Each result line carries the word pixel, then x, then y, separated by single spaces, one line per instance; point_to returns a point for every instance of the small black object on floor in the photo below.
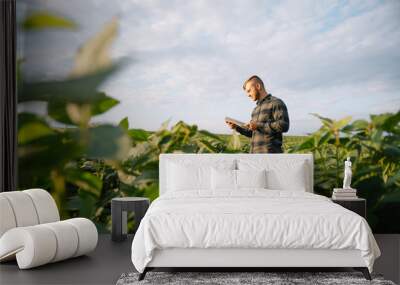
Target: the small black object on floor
pixel 119 211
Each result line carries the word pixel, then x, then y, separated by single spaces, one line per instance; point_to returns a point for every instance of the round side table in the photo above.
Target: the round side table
pixel 119 209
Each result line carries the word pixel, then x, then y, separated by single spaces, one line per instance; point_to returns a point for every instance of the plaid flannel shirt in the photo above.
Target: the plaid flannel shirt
pixel 272 119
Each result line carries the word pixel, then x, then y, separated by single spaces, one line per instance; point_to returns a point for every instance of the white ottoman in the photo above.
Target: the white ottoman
pixel 31 232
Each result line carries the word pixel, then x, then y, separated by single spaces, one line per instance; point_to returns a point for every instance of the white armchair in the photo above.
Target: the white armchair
pixel 31 230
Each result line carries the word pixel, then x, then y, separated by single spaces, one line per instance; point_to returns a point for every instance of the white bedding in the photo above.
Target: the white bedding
pixel 251 218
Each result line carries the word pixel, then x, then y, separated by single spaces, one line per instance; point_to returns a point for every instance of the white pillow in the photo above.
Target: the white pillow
pixel 227 179
pixel 223 179
pixel 183 178
pixel 294 179
pixel 251 178
pixel 193 174
pixel 282 174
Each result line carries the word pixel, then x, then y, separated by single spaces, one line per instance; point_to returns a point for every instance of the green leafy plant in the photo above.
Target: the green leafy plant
pixel 374 150
pixel 138 173
pixel 49 156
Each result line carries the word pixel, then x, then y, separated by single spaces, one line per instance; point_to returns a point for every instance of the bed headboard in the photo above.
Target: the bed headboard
pixel 210 157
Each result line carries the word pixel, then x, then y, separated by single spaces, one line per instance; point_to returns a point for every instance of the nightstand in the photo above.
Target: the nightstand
pixel 357 205
pixel 119 209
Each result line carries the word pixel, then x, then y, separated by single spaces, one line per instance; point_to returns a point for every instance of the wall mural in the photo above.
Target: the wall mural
pixel 106 86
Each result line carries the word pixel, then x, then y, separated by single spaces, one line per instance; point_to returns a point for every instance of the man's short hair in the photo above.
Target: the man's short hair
pixel 254 79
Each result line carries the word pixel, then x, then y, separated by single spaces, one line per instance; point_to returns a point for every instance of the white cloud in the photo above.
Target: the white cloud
pixel 191 57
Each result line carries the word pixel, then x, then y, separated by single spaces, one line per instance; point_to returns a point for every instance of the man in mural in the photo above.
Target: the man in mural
pixel 269 119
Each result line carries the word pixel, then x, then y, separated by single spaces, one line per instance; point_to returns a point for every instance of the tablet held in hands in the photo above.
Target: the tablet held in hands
pixel 235 122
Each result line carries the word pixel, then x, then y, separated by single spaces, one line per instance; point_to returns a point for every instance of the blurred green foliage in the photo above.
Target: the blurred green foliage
pixel 49 156
pixel 374 148
pixel 372 145
pixel 85 165
pixel 45 20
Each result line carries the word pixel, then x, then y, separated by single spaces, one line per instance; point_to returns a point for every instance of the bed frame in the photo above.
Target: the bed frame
pixel 241 259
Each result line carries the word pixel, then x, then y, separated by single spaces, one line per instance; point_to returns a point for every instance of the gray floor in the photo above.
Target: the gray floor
pixel 389 263
pixel 111 259
pixel 103 266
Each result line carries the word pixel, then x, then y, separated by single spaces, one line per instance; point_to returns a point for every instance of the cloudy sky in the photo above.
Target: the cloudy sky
pixel 190 58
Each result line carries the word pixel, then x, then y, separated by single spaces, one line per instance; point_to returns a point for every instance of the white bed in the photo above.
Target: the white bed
pixel 201 220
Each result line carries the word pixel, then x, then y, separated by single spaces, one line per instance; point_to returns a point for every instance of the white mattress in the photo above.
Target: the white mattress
pixel 256 218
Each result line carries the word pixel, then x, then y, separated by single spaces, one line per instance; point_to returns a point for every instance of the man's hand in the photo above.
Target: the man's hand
pixel 252 125
pixel 231 125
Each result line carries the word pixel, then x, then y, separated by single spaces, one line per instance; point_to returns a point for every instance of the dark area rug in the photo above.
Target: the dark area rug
pixel 228 278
